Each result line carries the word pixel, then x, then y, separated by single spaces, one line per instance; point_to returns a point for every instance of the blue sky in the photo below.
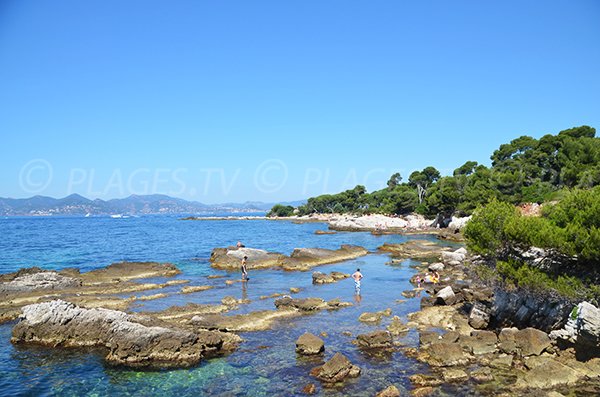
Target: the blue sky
pixel 279 100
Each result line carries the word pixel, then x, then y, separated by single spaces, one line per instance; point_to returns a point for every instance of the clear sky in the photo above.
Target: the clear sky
pixel 222 101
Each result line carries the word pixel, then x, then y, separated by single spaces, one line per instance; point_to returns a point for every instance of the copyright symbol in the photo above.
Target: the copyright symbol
pixel 270 176
pixel 35 176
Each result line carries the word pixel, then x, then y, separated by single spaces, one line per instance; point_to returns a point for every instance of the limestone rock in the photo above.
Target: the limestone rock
pixel 305 304
pixel 131 340
pixel 454 375
pixel 195 288
pixel 436 267
pixel 322 278
pixel 532 341
pixel 390 391
pixel 444 355
pixel 583 326
pixel 40 281
pixel 445 296
pixel 337 369
pixel 375 340
pixel 479 318
pixel 448 257
pixel 397 327
pixel 309 344
pixel 480 342
pixel 369 317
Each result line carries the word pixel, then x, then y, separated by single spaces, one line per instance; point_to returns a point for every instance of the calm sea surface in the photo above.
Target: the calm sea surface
pixel 265 364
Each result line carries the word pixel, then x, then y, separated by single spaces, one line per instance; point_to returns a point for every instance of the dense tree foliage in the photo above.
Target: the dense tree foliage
pixel 281 210
pixel 523 170
pixel 568 232
pixel 570 227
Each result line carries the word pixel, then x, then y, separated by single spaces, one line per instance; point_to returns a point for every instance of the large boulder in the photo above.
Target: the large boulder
pixel 583 326
pixel 309 344
pixel 457 223
pixel 444 354
pixel 445 296
pixel 131 340
pixel 337 369
pixel 526 342
pixel 479 318
pixel 375 340
pixel 479 342
pixel 452 257
pixel 436 267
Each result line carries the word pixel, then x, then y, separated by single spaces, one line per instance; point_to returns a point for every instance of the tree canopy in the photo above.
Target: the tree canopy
pixel 524 170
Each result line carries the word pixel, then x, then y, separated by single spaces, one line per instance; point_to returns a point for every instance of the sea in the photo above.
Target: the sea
pixel 265 364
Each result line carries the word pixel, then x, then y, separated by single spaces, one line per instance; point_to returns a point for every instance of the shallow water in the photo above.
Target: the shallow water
pixel 266 363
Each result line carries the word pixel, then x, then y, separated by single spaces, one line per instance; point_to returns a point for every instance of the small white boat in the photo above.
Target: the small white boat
pixel 88 215
pixel 116 216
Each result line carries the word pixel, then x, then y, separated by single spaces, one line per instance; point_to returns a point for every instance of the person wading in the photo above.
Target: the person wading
pixel 357 276
pixel 244 269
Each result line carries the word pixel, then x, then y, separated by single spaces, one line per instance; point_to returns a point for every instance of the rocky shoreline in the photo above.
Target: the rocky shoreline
pixel 467 334
pixel 470 333
pixel 376 223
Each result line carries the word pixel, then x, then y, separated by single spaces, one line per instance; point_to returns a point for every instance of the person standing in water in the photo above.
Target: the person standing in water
pixel 357 276
pixel 244 269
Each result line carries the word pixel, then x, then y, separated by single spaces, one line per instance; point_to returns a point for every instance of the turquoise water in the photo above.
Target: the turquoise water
pixel 265 364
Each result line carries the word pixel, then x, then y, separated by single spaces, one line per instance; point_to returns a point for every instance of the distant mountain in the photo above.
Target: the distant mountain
pixel 76 204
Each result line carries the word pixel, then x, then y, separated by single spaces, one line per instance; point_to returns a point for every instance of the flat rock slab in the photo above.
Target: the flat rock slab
pixel 417 249
pixel 301 259
pixel 39 281
pixel 131 340
pixel 123 271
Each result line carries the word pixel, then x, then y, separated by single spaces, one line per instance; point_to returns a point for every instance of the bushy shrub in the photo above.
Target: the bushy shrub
pixel 485 232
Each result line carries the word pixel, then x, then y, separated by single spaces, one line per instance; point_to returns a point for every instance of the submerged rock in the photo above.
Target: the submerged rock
pixel 397 327
pixel 309 344
pixel 195 288
pixel 131 340
pixel 337 369
pixel 390 391
pixel 311 388
pixel 368 317
pixel 303 304
pixel 322 278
